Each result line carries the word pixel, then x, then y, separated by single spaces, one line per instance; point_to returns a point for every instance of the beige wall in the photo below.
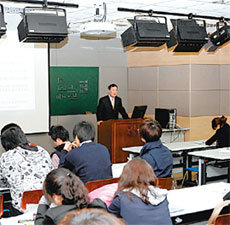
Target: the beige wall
pixel 199 126
pixel 145 57
pixel 196 84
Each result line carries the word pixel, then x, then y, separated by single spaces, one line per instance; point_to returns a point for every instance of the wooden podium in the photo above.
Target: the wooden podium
pixel 116 134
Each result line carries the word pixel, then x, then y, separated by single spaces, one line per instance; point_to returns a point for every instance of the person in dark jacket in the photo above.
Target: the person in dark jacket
pixel 66 191
pixel 154 152
pixel 109 106
pixel 222 135
pixel 60 136
pixel 137 200
pixel 63 192
pixel 89 161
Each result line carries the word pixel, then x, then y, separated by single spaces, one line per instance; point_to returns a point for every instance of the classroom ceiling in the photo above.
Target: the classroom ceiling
pixel 85 12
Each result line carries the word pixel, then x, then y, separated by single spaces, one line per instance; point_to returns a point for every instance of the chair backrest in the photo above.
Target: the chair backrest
pixel 31 197
pixel 222 219
pixel 1 205
pixel 92 185
pixel 216 212
pixel 166 183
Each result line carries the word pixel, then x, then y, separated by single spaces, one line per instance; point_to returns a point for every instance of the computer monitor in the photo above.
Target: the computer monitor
pixel 139 111
pixel 166 117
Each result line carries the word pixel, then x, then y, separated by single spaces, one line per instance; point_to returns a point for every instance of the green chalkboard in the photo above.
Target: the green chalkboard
pixel 73 90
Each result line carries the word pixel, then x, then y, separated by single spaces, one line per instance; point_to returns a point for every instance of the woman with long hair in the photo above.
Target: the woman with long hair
pixel 66 191
pixel 222 134
pixel 137 200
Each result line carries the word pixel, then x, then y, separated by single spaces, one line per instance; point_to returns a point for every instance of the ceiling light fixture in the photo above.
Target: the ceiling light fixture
pixel 187 35
pixel 150 31
pixel 43 25
pixel 221 35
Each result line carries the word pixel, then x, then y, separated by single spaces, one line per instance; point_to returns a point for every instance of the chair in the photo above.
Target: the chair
pixel 219 219
pixel 166 183
pixel 222 219
pixel 31 197
pixel 92 185
pixel 1 205
pixel 190 169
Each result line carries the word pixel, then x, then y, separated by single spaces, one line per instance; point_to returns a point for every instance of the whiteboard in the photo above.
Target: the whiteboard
pixel 23 81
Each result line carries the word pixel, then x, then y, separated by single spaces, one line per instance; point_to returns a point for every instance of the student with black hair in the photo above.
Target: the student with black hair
pixel 60 137
pixel 23 166
pixel 110 106
pixel 153 151
pixel 222 135
pixel 65 191
pixel 89 161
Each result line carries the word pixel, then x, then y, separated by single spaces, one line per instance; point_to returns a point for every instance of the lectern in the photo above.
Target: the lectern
pixel 116 134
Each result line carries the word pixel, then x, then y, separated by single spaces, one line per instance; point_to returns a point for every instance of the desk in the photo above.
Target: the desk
pixel 185 147
pixel 175 146
pixel 219 154
pixel 173 135
pixel 196 199
pixel 31 209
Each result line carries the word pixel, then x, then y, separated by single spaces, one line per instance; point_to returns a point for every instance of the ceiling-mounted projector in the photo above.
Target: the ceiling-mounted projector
pixel 98 30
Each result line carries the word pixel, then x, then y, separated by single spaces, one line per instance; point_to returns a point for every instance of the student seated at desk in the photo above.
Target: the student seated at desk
pixel 137 200
pixel 88 160
pixel 60 137
pixel 154 152
pixel 66 192
pixel 23 166
pixel 222 135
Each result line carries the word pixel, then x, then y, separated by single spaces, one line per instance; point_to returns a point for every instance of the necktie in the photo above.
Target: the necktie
pixel 113 102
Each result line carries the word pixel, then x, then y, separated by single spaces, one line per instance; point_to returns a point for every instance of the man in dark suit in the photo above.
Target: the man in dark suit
pixel 109 106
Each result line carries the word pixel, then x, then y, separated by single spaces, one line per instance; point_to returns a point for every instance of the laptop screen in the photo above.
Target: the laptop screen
pixel 139 111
